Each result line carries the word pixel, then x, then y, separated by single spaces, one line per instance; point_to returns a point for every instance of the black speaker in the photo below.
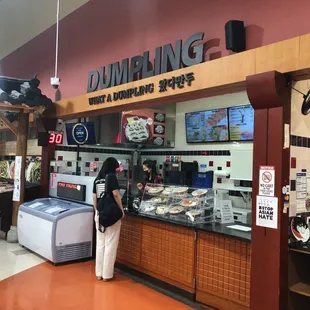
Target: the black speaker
pixel 235 36
pixel 43 138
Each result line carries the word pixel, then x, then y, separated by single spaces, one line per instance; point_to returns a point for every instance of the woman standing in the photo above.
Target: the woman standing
pixel 107 241
pixel 151 175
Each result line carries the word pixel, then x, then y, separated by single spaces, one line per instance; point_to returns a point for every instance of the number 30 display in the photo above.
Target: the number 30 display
pixel 55 138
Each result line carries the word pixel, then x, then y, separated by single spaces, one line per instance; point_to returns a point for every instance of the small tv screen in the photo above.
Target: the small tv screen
pixel 207 126
pixel 241 123
pixel 80 133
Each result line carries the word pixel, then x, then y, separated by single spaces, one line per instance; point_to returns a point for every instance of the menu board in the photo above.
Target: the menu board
pixel 207 126
pixel 241 123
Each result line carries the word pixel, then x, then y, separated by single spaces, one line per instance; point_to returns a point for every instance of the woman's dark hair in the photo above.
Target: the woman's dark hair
pixel 109 166
pixel 151 164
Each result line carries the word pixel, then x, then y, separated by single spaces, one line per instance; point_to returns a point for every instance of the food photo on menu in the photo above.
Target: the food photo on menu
pixel 207 126
pixel 241 123
pixel 144 126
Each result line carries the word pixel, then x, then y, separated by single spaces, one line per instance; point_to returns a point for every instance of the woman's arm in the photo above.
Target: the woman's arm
pixel 118 199
pixel 140 186
pixel 95 202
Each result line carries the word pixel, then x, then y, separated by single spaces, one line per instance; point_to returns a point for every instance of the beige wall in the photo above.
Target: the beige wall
pixel 9 148
pixel 300 127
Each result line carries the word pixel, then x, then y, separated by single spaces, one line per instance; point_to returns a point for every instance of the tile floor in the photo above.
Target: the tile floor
pixel 27 282
pixel 14 259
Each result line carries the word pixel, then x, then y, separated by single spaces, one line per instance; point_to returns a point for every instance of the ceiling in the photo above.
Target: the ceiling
pixel 22 20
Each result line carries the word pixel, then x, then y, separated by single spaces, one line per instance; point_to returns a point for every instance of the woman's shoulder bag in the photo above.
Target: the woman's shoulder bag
pixel 108 209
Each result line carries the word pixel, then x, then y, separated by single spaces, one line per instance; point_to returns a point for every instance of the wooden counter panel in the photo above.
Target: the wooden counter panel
pixel 129 250
pixel 169 251
pixel 223 269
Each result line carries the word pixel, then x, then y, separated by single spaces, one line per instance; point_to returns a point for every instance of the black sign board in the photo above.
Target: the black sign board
pixel 71 191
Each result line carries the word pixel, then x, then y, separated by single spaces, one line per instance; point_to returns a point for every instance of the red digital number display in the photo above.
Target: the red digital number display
pixel 55 138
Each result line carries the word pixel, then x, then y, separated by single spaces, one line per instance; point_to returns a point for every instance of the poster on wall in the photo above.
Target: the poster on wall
pixel 53 180
pixel 17 173
pixel 7 169
pixel 267 212
pixel 144 126
pixel 301 193
pixel 266 181
pixel 32 169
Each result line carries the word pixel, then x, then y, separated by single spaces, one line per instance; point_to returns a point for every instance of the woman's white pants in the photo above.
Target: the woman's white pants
pixel 106 250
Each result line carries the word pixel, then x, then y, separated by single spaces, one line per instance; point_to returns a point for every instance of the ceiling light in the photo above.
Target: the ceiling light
pixel 305 107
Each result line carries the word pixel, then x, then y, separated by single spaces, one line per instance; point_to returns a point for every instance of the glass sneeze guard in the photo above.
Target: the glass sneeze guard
pixel 178 203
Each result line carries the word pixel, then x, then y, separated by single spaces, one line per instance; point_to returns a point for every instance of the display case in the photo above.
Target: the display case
pixel 181 204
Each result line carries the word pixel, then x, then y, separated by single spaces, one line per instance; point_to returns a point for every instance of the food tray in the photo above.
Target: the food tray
pixel 174 202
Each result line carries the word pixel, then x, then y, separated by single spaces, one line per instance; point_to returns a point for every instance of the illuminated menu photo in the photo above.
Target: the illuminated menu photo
pixel 241 123
pixel 207 126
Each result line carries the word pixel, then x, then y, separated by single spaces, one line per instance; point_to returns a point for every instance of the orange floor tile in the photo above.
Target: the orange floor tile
pixel 74 286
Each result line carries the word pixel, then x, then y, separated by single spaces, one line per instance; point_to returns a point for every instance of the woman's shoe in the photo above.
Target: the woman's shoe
pixel 99 278
pixel 110 279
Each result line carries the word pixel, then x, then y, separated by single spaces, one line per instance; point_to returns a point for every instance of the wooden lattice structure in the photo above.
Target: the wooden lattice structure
pixel 19 101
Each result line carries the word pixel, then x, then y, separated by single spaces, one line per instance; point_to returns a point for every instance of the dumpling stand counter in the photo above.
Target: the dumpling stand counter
pixel 146 242
pixel 173 239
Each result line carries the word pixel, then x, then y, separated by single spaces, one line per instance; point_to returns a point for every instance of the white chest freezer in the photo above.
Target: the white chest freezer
pixel 58 230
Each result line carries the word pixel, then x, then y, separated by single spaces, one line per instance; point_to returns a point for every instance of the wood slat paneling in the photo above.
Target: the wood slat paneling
pixel 283 56
pixel 129 250
pixel 224 269
pixel 169 251
pixel 160 250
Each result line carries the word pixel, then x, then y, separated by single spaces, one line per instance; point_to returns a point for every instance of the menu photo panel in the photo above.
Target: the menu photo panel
pixel 207 126
pixel 241 123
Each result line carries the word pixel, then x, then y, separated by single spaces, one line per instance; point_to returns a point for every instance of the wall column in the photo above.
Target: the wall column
pixel 270 98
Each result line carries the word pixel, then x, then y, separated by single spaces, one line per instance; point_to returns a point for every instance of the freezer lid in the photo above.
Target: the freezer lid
pixel 52 206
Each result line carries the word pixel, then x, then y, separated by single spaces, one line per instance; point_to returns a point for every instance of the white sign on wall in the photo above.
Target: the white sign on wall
pixel 301 191
pixel 267 211
pixel 17 173
pixel 266 181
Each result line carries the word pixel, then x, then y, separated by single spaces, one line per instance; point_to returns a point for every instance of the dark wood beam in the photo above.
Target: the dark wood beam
pixel 10 125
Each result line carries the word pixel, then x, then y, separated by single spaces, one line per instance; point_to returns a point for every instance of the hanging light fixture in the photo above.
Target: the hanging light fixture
pixel 305 107
pixel 55 80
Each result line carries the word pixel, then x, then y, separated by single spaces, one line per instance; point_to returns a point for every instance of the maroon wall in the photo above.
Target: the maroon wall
pixel 104 31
